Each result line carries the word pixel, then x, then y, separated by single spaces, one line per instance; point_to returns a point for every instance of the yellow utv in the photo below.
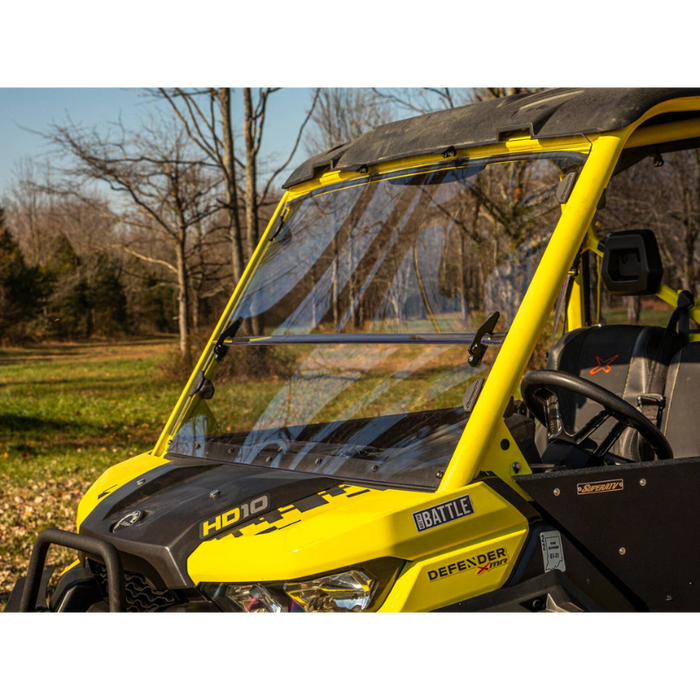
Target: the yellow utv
pixel 479 378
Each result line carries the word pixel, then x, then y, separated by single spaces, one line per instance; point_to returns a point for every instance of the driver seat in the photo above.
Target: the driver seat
pixel 630 361
pixel 683 402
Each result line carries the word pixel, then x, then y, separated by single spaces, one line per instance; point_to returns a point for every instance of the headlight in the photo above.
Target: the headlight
pixel 353 590
pixel 253 600
pixel 349 591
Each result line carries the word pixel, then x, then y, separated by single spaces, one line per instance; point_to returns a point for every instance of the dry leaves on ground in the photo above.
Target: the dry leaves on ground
pixel 27 510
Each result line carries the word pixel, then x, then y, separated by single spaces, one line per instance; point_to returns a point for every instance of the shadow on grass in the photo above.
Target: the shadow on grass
pixel 15 423
pixel 67 356
pixel 93 383
pixel 37 434
pixel 35 352
pixel 7 359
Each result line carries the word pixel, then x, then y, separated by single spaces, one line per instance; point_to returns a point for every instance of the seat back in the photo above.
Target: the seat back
pixel 682 412
pixel 629 361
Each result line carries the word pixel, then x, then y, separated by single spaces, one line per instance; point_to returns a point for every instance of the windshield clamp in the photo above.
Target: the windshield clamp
pixel 477 348
pixel 228 333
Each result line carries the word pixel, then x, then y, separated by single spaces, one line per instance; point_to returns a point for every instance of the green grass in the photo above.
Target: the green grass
pixel 648 317
pixel 62 409
pixel 67 413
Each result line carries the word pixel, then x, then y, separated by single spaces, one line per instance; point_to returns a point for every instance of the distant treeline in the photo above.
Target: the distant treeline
pixel 71 296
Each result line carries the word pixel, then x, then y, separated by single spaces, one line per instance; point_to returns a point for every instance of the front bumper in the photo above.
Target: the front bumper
pixel 26 595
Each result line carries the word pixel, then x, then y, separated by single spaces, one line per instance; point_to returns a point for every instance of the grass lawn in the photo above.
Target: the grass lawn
pixel 67 413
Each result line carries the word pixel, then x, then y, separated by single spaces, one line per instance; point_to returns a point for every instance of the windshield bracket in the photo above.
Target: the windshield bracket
pixel 477 348
pixel 228 333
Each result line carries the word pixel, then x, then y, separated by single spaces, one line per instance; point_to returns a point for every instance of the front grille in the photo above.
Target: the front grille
pixel 140 595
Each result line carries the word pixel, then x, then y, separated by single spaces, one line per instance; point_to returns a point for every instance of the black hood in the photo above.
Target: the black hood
pixel 175 498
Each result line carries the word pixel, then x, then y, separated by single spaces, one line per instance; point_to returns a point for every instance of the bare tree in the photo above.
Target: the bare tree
pixel 161 191
pixel 207 118
pixel 29 210
pixel 344 114
pixel 209 272
pixel 685 213
pixel 413 101
pixel 255 196
pixel 255 113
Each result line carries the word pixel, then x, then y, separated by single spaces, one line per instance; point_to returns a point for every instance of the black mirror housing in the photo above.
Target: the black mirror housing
pixel 632 263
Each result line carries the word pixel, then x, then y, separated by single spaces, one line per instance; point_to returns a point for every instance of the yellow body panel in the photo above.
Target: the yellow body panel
pixel 350 530
pixel 575 307
pixel 504 458
pixel 70 566
pixel 461 573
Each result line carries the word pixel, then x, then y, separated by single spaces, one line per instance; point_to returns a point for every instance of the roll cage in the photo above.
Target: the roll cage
pixel 603 124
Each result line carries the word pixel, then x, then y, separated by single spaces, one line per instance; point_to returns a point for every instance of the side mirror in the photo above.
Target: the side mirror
pixel 632 263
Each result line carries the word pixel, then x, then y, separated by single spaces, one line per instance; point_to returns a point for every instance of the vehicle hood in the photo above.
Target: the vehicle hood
pixel 168 505
pixel 189 520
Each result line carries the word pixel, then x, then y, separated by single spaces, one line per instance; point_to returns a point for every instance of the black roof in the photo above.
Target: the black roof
pixel 547 114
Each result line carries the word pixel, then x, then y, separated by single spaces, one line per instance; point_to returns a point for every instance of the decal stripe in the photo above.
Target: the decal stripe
pixel 282 514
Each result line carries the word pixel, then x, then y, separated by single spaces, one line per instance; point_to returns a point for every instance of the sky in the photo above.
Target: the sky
pixel 28 110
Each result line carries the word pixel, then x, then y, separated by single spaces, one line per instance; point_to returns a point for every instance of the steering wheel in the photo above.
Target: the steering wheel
pixel 542 401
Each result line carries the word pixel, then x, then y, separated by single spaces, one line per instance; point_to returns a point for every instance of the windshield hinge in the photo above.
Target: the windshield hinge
pixel 202 387
pixel 220 349
pixel 477 348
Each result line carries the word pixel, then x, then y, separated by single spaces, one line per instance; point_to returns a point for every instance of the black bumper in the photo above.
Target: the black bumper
pixel 25 596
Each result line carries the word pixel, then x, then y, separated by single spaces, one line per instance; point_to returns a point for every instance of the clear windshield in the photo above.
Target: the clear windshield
pixel 348 353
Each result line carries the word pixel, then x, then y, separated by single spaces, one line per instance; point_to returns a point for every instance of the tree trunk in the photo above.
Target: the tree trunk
pixel 89 322
pixel 464 278
pixel 195 306
pixel 237 257
pixel 634 309
pixel 251 190
pixel 183 306
pixel 251 203
pixel 423 291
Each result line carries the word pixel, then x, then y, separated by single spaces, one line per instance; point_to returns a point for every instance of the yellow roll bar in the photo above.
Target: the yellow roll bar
pixel 534 311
